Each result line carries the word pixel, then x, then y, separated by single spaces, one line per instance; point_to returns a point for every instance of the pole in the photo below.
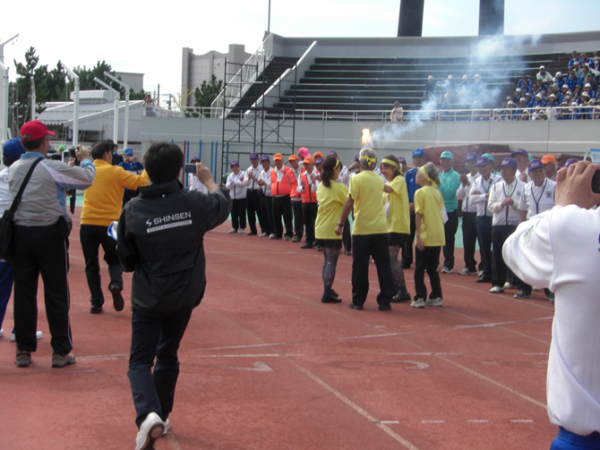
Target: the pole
pixel 33 99
pixel 212 145
pixel 2 47
pixel 158 96
pixel 126 126
pixel 216 154
pixel 200 151
pixel 75 79
pixel 117 95
pixel 269 19
pixel 3 104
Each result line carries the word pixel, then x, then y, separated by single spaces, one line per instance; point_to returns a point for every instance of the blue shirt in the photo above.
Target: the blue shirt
pixel 132 167
pixel 411 185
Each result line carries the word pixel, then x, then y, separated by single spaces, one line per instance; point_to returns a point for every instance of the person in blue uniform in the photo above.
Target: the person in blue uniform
pixel 418 159
pixel 131 165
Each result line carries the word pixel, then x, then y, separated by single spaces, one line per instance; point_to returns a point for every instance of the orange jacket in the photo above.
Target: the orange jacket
pixel 295 182
pixel 308 196
pixel 284 187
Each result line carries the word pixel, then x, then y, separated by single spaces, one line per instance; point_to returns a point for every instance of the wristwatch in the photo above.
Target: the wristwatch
pixel 340 224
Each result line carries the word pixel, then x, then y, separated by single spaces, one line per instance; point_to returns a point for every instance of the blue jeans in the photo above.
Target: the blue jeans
pixel 154 391
pixel 7 278
pixel 571 441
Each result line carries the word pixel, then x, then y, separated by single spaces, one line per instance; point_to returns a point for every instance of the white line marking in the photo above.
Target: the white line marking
pixel 388 422
pixel 432 421
pixel 522 421
pixel 258 367
pixel 477 421
pixel 414 364
pixel 489 325
pixel 267 355
pixel 355 407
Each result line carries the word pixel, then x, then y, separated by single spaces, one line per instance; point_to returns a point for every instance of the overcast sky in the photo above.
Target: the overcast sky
pixel 148 37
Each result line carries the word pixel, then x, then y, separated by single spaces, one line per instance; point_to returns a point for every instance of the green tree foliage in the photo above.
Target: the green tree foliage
pixel 205 95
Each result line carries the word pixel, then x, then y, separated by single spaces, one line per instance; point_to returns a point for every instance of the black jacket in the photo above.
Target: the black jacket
pixel 160 238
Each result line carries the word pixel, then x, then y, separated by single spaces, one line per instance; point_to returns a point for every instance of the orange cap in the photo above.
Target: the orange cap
pixel 309 160
pixel 318 155
pixel 548 158
pixel 277 157
pixel 293 158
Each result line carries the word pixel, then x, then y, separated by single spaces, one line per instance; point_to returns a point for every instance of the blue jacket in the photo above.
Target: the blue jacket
pixel 411 185
pixel 572 82
pixel 526 85
pixel 132 167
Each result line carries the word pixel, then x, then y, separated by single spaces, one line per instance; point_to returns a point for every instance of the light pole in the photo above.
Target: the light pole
pixel 4 93
pixel 126 126
pixel 75 79
pixel 269 18
pixel 117 95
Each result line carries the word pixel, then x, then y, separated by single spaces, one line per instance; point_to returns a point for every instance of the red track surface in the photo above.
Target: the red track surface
pixel 265 365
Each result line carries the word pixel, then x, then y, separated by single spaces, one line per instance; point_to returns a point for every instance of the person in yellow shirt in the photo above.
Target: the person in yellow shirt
pixel 102 206
pixel 331 197
pixel 369 234
pixel 430 236
pixel 395 200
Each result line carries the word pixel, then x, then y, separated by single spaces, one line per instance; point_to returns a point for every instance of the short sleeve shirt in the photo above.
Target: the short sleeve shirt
pixel 366 189
pixel 331 202
pixel 399 215
pixel 429 203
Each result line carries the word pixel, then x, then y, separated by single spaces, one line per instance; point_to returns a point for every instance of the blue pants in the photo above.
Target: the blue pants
pixel 7 278
pixel 571 441
pixel 484 233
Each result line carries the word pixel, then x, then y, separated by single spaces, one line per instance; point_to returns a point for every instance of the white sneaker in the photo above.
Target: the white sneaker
pixel 167 427
pixel 152 428
pixel 446 270
pixel 263 235
pixel 418 303
pixel 466 271
pixel 232 231
pixel 1 333
pixel 241 231
pixel 481 273
pixel 433 302
pixel 496 290
pixel 38 336
pixel 507 285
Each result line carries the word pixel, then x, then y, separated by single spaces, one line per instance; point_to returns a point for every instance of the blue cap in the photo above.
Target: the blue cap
pixel 447 155
pixel 401 160
pixel 128 151
pixel 509 162
pixel 318 160
pixel 483 161
pixel 195 159
pixel 418 152
pixel 332 153
pixel 519 151
pixel 490 157
pixel 571 161
pixel 356 157
pixel 13 148
pixel 264 158
pixel 535 164
pixel 234 163
pixel 472 157
pixel 253 155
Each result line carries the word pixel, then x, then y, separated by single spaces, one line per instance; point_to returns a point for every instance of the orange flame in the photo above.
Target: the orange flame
pixel 365 135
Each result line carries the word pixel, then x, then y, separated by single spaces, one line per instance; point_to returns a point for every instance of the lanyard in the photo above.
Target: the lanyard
pixel 506 195
pixel 490 182
pixel 254 171
pixel 537 202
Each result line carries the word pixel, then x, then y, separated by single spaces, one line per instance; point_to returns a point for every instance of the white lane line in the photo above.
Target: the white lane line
pixel 388 422
pixel 232 347
pixel 490 325
pixel 265 355
pixel 477 421
pixel 432 421
pixel 522 421
pixel 494 382
pixel 355 407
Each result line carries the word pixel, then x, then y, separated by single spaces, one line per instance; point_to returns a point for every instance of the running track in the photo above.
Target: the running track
pixel 265 365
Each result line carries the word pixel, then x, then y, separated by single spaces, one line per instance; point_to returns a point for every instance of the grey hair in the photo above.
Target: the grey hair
pixel 369 153
pixel 431 170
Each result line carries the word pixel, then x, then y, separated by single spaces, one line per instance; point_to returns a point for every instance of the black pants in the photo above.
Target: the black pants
pixel 309 211
pixel 347 236
pixel 41 251
pixel 469 232
pixel 91 237
pixel 154 391
pixel 253 208
pixel 450 228
pixel 282 207
pixel 499 269
pixel 238 214
pixel 407 248
pixel 484 234
pixel 266 206
pixel 298 208
pixel 128 194
pixel 365 247
pixel 428 261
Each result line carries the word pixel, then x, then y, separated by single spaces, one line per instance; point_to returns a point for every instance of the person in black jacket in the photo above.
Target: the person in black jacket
pixel 160 239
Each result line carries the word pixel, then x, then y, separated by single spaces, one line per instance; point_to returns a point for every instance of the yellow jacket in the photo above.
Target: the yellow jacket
pixel 102 201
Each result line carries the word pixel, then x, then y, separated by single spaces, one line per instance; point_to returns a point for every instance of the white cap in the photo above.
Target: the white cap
pixel 465 77
pixel 585 94
pixel 510 102
pixel 450 77
pixel 430 77
pixel 528 93
pixel 522 99
pixel 538 95
pixel 476 75
pixel 587 85
pixel 559 74
pixel 552 95
pixel 565 86
pixel 574 104
pixel 518 90
pixel 542 67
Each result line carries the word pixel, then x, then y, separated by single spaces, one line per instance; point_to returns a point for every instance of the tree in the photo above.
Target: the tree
pixel 205 95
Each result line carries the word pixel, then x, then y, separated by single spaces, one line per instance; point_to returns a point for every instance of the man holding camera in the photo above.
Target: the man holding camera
pixel 40 242
pixel 102 206
pixel 160 239
pixel 559 250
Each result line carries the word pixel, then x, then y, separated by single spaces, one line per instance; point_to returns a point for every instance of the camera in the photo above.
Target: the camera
pixel 190 168
pixel 596 182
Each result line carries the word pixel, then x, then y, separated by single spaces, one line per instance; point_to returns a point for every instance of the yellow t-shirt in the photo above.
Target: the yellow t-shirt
pixel 399 215
pixel 331 202
pixel 429 203
pixel 369 215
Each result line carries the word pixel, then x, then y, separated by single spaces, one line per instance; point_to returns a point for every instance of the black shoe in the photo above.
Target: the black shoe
pixel 483 280
pixel 319 248
pixel 335 294
pixel 118 301
pixel 307 246
pixel 348 253
pixel 358 307
pixel 252 233
pixel 295 239
pixel 400 297
pixel 406 266
pixel 384 307
pixel 522 294
pixel 96 309
pixel 330 299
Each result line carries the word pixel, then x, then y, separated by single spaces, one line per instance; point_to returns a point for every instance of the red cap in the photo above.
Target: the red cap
pixel 33 130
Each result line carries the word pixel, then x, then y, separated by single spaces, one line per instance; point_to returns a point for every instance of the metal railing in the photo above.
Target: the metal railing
pixel 188 111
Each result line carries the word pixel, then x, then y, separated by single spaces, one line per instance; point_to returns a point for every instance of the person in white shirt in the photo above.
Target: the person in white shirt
pixel 537 197
pixel 505 196
pixel 193 182
pixel 478 196
pixel 469 215
pixel 237 191
pixel 522 158
pixel 266 196
pixel 397 112
pixel 545 76
pixel 253 197
pixel 558 249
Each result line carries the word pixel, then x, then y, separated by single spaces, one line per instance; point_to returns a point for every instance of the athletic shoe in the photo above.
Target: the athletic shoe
pixel 287 238
pixel 401 297
pixel 348 253
pixel 418 303
pixel 483 280
pixel 481 273
pixel 263 235
pixel 151 429
pixel 273 236
pixel 307 246
pixel 496 290
pixel 242 231
pixel 319 248
pixel 433 302
pixel 384 307
pixel 466 271
pixel 446 270
pixel 59 360
pixel 335 294
pixel 167 427
pixel 330 299
pixel 507 285
pixel 358 307
pixel 550 297
pixel 296 239
pixel 522 294
pixel 251 233
pixel 118 301
pixel 23 358
pixel 38 336
pixel 232 231
pixel 96 309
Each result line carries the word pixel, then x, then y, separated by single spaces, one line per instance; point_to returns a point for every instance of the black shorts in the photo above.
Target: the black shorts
pixel 397 239
pixel 330 243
